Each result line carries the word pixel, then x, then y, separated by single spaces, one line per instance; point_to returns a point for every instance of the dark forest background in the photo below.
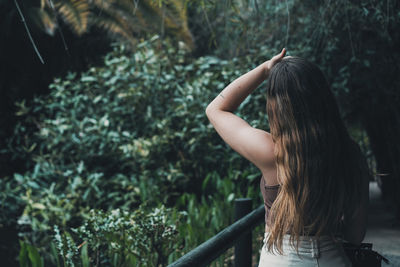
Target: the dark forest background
pixel 107 137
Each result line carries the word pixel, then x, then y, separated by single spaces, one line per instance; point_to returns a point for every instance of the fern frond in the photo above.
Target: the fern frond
pixel 126 18
pixel 175 19
pixel 75 13
pixel 45 20
pixel 113 27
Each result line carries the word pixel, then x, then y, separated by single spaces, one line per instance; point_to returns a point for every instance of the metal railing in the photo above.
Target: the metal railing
pixel 238 234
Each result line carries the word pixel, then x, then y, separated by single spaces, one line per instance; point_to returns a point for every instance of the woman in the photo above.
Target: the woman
pixel 314 178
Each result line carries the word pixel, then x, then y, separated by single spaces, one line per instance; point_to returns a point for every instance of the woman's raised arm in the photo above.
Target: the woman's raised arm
pixel 254 144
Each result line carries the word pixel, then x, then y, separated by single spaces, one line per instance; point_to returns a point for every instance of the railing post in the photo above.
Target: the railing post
pixel 243 248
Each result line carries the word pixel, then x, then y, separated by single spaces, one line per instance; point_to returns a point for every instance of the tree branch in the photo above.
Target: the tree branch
pixel 29 33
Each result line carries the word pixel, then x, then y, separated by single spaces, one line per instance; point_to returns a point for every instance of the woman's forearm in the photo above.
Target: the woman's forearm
pixel 236 92
pixel 253 144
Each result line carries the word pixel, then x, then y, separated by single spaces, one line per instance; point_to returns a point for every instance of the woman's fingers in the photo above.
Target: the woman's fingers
pixel 280 55
pixel 283 52
pixel 275 59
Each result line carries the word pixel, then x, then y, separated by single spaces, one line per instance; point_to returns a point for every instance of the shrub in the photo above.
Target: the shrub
pixel 121 238
pixel 130 132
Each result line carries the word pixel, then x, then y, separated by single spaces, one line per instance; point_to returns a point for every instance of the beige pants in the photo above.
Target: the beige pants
pixel 322 252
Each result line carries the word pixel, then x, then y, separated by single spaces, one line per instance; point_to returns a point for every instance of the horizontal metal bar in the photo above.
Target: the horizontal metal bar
pixel 218 244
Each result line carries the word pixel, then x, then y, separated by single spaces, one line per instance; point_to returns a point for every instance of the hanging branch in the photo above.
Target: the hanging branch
pixel 288 24
pixel 163 22
pixel 257 12
pixel 208 23
pixel 29 33
pixel 58 27
pixel 135 6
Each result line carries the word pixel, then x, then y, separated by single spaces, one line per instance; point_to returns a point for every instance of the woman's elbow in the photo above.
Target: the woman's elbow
pixel 209 111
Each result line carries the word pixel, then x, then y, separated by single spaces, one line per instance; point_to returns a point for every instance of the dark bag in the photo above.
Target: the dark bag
pixel 363 255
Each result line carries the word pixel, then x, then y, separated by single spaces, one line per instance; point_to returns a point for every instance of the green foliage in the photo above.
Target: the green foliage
pixel 121 238
pixel 340 36
pixel 214 210
pixel 29 256
pixel 132 131
pixel 151 237
pixel 355 44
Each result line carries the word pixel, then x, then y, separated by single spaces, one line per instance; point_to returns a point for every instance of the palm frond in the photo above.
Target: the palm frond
pixel 114 27
pixel 127 18
pixel 174 14
pixel 75 13
pixel 45 20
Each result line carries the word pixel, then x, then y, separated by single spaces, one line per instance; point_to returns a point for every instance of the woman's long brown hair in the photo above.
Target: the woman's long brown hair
pixel 320 168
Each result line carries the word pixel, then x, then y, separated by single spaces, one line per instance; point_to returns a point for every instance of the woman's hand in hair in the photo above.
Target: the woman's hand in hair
pixel 275 59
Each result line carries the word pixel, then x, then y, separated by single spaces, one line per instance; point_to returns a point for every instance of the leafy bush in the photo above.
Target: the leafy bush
pixel 121 238
pixel 134 131
pixel 130 132
pixel 147 237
